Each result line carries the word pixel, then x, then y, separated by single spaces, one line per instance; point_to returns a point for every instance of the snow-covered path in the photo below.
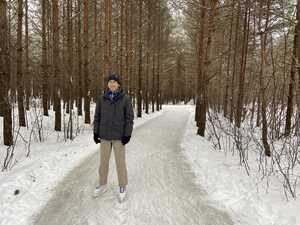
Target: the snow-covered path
pixel 161 186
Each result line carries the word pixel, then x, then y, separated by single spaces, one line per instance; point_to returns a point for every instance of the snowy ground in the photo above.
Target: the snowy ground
pixel 37 176
pixel 247 198
pixel 193 184
pixel 161 190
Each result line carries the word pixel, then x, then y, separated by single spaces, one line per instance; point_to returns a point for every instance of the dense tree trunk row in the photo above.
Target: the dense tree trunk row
pixel 223 55
pixel 241 50
pixel 67 48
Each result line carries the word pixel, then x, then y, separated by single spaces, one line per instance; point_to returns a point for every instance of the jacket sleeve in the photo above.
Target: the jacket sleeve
pixel 129 116
pixel 97 116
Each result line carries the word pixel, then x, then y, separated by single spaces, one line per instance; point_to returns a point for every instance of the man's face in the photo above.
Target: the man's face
pixel 113 85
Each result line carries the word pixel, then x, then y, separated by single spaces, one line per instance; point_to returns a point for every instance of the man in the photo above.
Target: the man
pixel 113 124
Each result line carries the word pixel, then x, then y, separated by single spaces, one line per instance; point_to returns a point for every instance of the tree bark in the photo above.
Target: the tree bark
pixel 228 62
pixel 5 76
pixel 56 71
pixel 234 66
pixel 44 60
pixel 127 50
pixel 294 67
pixel 27 76
pixel 263 40
pixel 19 66
pixel 240 99
pixel 79 55
pixel 148 57
pixel 298 67
pixel 158 91
pixel 86 62
pixel 139 91
pixel 108 37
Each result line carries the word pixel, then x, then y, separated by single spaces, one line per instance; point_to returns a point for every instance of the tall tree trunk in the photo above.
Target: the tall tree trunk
pixel 44 60
pixel 200 104
pixel 121 38
pixel 131 51
pixel 19 66
pixel 263 40
pixel 292 83
pixel 240 99
pixel 108 37
pixel 153 81
pixel 290 104
pixel 219 94
pixel 86 62
pixel 116 35
pixel 95 72
pixel 65 86
pixel 284 86
pixel 49 55
pixel 298 67
pixel 5 76
pixel 55 55
pixel 228 61
pixel 127 53
pixel 148 57
pixel 70 49
pixel 200 56
pixel 158 59
pixel 3 51
pixel 203 102
pixel 79 76
pixel 234 66
pixel 70 66
pixel 153 89
pixel 26 72
pixel 139 91
pixel 253 72
pixel 101 50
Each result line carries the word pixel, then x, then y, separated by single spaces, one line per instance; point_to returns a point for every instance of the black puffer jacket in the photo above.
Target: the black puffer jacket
pixel 113 117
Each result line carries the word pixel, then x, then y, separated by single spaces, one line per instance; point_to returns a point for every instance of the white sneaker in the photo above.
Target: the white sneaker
pixel 99 190
pixel 122 194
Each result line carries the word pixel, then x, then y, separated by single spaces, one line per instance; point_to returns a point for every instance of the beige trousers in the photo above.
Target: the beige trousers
pixel 105 152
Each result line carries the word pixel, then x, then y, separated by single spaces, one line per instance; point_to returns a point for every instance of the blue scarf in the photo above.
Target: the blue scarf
pixel 113 96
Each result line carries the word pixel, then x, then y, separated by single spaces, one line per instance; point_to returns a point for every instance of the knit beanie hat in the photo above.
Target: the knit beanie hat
pixel 114 76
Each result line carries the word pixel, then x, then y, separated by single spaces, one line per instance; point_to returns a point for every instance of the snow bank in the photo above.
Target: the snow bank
pixel 229 187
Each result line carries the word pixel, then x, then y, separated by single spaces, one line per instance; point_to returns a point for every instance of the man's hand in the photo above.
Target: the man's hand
pixel 97 139
pixel 125 139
